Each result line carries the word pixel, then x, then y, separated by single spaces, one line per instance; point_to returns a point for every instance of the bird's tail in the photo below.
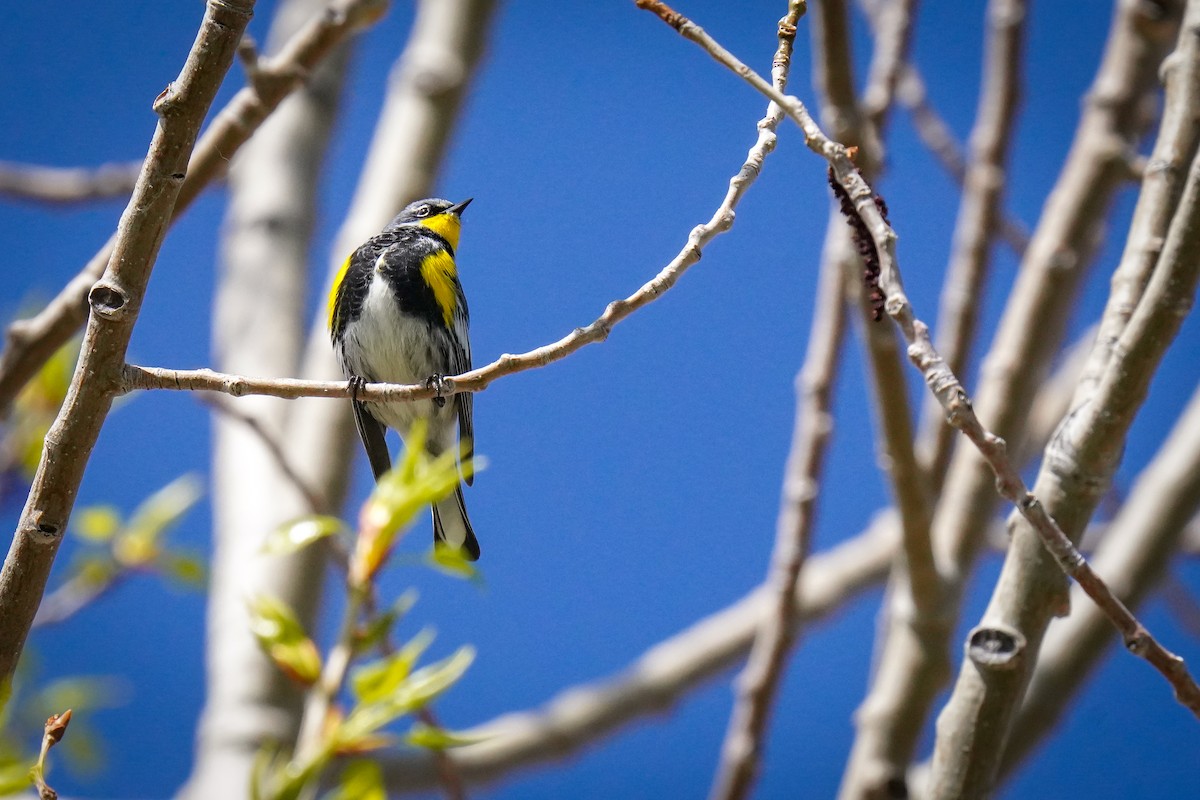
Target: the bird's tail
pixel 452 528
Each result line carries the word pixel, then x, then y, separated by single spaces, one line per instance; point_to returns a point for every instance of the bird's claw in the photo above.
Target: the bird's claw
pixel 357 383
pixel 437 383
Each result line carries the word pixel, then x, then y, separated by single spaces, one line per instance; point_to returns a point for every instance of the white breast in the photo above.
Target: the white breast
pixel 384 345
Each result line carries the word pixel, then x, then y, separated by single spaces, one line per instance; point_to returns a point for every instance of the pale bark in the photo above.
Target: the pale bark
pixel 258 330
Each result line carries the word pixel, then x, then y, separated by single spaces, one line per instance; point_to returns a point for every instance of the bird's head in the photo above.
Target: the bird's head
pixel 440 216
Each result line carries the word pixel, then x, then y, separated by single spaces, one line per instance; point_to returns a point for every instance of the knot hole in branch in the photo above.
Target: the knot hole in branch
pixel 107 301
pixel 995 647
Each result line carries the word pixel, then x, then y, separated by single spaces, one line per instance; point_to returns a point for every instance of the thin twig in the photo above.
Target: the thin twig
pixel 758 683
pixel 888 723
pixel 30 342
pixel 979 213
pixel 476 380
pixel 65 185
pixel 271 444
pixel 115 302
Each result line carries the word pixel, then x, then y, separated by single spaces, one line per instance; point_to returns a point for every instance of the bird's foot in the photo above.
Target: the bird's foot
pixel 357 383
pixel 438 384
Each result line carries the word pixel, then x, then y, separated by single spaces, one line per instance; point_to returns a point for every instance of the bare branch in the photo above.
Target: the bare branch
pixel 64 185
pixel 1031 328
pixel 30 342
pixel 886 722
pixel 1077 470
pixel 274 449
pixel 833 71
pixel 115 302
pixel 1162 186
pixel 893 35
pixel 978 214
pixel 1133 555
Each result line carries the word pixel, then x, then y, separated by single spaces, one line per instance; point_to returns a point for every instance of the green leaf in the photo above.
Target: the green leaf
pixel 97 523
pixel 421 687
pixel 95 570
pixel 159 512
pixel 14 778
pixel 360 780
pixel 403 492
pixel 428 682
pixel 186 569
pixel 431 738
pixel 291 537
pixel 380 679
pixel 282 637
pixel 82 693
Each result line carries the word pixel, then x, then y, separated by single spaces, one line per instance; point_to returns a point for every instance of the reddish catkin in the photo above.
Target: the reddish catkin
pixel 864 244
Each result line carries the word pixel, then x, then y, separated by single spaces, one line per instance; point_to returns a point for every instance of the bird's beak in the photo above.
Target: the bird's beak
pixel 457 210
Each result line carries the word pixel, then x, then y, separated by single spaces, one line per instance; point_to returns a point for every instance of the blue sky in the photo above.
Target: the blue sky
pixel 633 487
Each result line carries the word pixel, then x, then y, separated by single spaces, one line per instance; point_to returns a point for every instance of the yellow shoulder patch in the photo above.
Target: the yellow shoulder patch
pixel 337 284
pixel 446 225
pixel 439 271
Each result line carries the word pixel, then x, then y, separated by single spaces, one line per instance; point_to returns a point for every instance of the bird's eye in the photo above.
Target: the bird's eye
pixel 423 211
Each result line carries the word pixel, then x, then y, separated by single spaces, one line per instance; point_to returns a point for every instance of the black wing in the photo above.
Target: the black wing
pixel 460 362
pixel 371 431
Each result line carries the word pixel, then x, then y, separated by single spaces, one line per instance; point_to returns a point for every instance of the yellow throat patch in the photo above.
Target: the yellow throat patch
pixel 440 273
pixel 446 225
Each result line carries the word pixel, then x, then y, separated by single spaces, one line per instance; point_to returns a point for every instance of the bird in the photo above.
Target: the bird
pixel 398 314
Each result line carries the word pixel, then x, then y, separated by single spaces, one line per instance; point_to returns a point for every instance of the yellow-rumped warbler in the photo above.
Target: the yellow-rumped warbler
pixel 397 314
